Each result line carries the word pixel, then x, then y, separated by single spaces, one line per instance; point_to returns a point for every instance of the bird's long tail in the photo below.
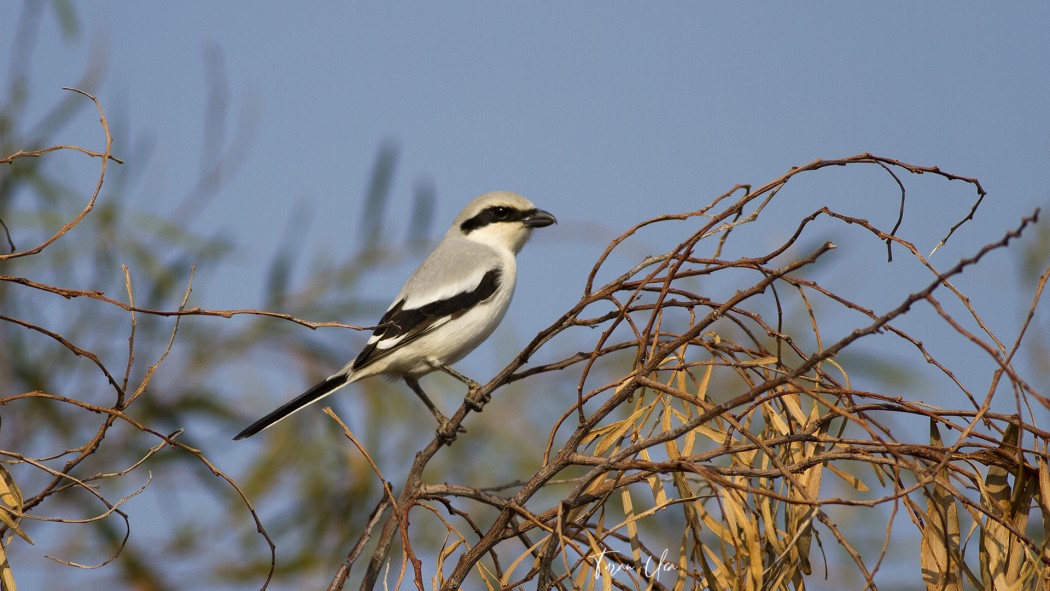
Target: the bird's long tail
pixel 301 401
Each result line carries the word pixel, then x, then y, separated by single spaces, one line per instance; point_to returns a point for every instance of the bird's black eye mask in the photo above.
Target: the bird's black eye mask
pixel 495 214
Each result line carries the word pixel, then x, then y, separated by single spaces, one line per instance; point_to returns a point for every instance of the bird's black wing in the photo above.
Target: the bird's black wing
pixel 400 326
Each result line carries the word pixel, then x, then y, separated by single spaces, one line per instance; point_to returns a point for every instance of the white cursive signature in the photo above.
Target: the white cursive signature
pixel 651 569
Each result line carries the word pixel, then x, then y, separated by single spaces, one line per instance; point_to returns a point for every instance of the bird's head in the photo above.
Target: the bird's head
pixel 502 220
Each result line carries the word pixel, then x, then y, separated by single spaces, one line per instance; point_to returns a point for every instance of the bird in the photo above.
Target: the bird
pixel 447 307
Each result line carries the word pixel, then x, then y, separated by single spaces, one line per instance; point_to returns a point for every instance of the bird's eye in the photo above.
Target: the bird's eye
pixel 500 213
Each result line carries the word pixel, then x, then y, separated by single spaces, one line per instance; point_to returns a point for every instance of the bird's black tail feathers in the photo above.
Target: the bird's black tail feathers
pixel 303 400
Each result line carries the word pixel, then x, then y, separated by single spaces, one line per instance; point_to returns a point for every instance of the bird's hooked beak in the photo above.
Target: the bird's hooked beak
pixel 538 219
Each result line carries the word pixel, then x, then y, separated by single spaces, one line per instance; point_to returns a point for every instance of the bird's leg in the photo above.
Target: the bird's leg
pixel 445 430
pixel 471 400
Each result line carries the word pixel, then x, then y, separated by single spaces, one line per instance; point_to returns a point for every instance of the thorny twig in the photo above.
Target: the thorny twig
pixel 64 477
pixel 641 298
pixel 779 421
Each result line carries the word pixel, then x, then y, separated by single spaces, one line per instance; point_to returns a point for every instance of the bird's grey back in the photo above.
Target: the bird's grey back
pixel 455 261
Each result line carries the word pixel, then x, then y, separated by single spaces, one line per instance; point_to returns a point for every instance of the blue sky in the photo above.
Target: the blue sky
pixel 604 114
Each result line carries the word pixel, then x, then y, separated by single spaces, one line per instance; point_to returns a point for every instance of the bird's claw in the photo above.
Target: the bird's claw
pixel 475 402
pixel 447 433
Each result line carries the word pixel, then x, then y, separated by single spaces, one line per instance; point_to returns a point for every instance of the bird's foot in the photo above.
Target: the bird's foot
pixel 472 399
pixel 446 432
pixel 475 402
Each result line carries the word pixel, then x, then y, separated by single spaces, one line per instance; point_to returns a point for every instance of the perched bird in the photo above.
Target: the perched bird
pixel 448 306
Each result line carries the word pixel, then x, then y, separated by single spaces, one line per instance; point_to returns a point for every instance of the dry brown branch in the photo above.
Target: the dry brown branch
pixel 195 311
pixel 65 479
pixel 785 418
pixel 105 157
pixel 714 440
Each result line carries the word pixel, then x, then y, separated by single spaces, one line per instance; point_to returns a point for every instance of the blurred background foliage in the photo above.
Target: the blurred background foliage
pixel 220 374
pixel 192 519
